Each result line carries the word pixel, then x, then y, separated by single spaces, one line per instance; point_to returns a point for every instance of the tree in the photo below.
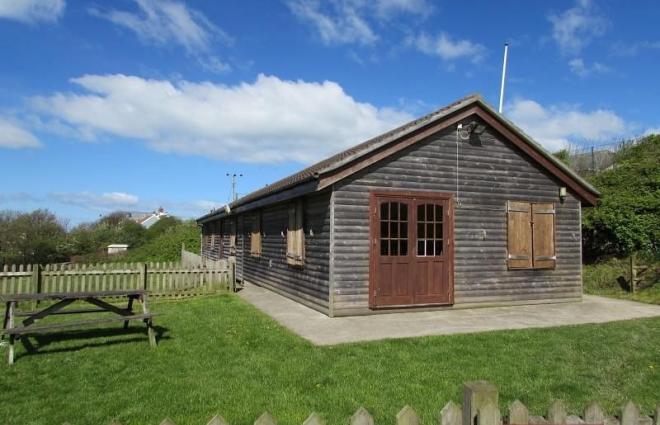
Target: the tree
pixel 627 217
pixel 564 156
pixel 116 227
pixel 35 237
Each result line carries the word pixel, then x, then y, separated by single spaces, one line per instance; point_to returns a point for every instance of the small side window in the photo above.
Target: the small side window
pixel 295 235
pixel 255 235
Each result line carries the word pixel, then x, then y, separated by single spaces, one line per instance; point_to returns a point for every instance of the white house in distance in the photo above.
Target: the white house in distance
pixel 116 248
pixel 148 219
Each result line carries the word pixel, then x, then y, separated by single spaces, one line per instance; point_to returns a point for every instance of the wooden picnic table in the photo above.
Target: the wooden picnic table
pixel 16 328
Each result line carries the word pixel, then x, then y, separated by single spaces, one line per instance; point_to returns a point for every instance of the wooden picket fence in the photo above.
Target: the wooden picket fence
pixel 481 407
pixel 160 279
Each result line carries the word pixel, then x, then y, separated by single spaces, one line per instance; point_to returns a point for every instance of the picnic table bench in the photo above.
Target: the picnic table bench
pixel 15 329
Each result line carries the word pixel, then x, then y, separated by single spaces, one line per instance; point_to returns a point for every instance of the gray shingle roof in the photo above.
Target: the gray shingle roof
pixel 335 161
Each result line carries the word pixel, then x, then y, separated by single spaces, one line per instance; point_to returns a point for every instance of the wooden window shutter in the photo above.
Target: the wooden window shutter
pixel 295 235
pixel 232 237
pixel 255 235
pixel 519 235
pixel 543 235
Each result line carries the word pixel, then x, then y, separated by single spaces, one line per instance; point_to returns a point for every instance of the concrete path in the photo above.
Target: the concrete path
pixel 322 330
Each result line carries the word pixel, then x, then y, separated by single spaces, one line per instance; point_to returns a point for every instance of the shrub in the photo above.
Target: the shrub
pixel 627 217
pixel 167 245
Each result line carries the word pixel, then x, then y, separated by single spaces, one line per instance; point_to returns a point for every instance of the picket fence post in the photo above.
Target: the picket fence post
pixel 477 394
pixel 143 276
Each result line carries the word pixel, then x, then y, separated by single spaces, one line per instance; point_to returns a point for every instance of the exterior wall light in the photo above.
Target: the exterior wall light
pixel 562 194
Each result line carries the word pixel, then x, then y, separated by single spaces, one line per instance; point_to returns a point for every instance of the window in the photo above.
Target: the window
pixel 429 230
pixel 531 235
pixel 255 235
pixel 295 235
pixel 393 229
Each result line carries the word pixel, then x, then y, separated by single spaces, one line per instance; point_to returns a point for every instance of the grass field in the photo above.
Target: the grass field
pixel 220 355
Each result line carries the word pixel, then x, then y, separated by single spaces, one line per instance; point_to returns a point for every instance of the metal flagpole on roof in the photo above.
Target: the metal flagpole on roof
pixel 506 54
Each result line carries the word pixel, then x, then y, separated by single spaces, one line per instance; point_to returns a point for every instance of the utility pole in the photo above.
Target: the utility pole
pixel 234 176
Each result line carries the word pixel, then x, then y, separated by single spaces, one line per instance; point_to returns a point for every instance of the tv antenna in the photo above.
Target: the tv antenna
pixel 234 177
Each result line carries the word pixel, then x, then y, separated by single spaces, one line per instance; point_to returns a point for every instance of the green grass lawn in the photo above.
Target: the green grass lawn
pixel 220 355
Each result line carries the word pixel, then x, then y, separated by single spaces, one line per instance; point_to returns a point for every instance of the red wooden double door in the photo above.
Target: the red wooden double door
pixel 411 249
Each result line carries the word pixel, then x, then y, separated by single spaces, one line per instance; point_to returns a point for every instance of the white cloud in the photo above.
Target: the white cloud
pixel 386 9
pixel 269 120
pixel 556 127
pixel 345 25
pixel 576 27
pixel 214 64
pixel 19 197
pixel 632 49
pixel 161 22
pixel 189 208
pixel 352 21
pixel 444 47
pixel 32 11
pixel 120 198
pixel 13 136
pixel 99 202
pixel 651 131
pixel 579 67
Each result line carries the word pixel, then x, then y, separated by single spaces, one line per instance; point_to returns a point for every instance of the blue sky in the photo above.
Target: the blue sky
pixel 136 104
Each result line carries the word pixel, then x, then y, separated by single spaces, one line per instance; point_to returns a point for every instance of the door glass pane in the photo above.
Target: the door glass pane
pixel 383 247
pixel 394 229
pixel 429 229
pixel 429 247
pixel 394 247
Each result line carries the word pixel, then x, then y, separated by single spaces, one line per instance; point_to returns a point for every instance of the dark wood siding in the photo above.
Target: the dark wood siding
pixel 489 175
pixel 309 284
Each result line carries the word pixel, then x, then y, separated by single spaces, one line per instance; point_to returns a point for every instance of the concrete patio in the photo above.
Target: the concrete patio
pixel 322 330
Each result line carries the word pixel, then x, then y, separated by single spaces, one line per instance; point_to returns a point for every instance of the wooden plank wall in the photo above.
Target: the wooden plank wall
pixel 489 175
pixel 309 284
